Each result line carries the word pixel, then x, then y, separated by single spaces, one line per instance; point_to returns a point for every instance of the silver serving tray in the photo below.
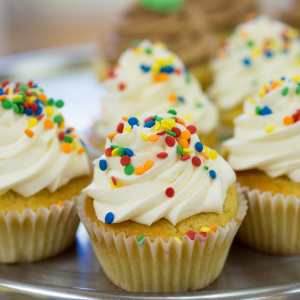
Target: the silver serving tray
pixel 67 73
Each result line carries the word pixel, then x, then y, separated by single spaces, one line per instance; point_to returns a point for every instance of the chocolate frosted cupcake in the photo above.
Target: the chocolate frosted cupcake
pixel 157 204
pixel 184 30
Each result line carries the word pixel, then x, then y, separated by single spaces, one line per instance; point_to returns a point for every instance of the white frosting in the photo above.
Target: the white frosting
pixel 142 198
pixel 28 165
pixel 142 93
pixel 276 152
pixel 234 81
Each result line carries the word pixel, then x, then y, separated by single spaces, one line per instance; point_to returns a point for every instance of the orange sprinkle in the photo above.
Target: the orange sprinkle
pixel 214 228
pixel 29 133
pixel 73 135
pixel 125 119
pixel 288 120
pixel 112 135
pixel 66 147
pixel 160 77
pixel 139 171
pixel 49 124
pixel 2 97
pixel 42 97
pixel 204 154
pixel 148 165
pixel 71 128
pixel 183 143
pixel 185 135
pixel 274 85
pixel 81 150
pixel 60 203
pixel 180 121
pixel 153 138
pixel 172 97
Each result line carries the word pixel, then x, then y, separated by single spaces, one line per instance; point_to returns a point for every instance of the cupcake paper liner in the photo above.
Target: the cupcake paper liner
pixel 272 224
pixel 175 266
pixel 33 236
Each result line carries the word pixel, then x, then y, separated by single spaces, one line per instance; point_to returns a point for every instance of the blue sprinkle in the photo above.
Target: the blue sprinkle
pixel 199 147
pixel 68 131
pixel 181 99
pixel 102 164
pixel 28 112
pixel 129 152
pixel 39 111
pixel 265 111
pixel 133 121
pixel 38 102
pixel 1 92
pixel 149 124
pixel 82 143
pixel 34 86
pixel 109 218
pixel 283 78
pixel 268 53
pixel 212 174
pixel 145 68
pixel 167 69
pixel 15 89
pixel 247 62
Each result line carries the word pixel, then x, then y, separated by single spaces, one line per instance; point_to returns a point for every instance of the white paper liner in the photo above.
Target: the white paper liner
pixel 272 224
pixel 159 266
pixel 33 236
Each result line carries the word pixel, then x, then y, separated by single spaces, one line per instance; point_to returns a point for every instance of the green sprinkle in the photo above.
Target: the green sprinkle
pixel 155 117
pixel 298 90
pixel 121 151
pixel 159 119
pixel 6 104
pixel 257 110
pixel 23 95
pixel 129 169
pixel 206 168
pixel 57 119
pixel 171 133
pixel 254 82
pixel 16 108
pixel 135 43
pixel 179 150
pixel 148 50
pixel 199 105
pixel 285 91
pixel 172 111
pixel 68 139
pixel 111 141
pixel 21 108
pixel 50 102
pixel 250 43
pixel 23 87
pixel 59 103
pixel 33 92
pixel 114 146
pixel 140 238
pixel 188 79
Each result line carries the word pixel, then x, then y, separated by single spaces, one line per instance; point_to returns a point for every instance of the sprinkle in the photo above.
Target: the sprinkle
pixel 49 110
pixel 295 78
pixel 213 154
pixel 144 136
pixel 114 183
pixel 257 110
pixel 296 117
pixel 171 133
pixel 125 119
pixel 129 152
pixel 125 160
pixel 129 169
pixel 179 150
pixel 251 100
pixel 145 68
pixel 186 150
pixel 162 155
pixel 214 228
pixel 140 238
pixel 121 151
pixel 185 134
pixel 270 128
pixel 109 218
pixel 66 148
pixel 68 139
pixel 196 161
pixel 60 203
pixel 61 136
pixel 148 165
pixel 149 119
pixel 122 86
pixel 102 164
pixel 172 111
pixel 177 131
pixel 160 77
pixel 185 157
pixel 112 135
pixel 139 171
pixel 29 133
pixel 133 121
pixel 149 124
pixel 32 122
pixel 153 138
pixel 191 234
pixel 205 229
pixel 206 168
pixel 127 128
pixel 247 62
pixel 188 117
pixel 59 103
pixel 161 132
pixel 285 91
pixel 170 192
pixel 183 143
pixel 2 97
pixel 192 129
pixel 120 127
pixel 156 126
pixel 199 147
pixel 57 119
pixel 181 99
pixel 204 155
pixel 27 111
pixel 172 122
pixel 50 102
pixel 166 127
pixel 81 150
pixel 288 120
pixel 265 111
pixel 6 104
pixel 170 141
pixel 172 97
pixel 115 152
pixel 212 174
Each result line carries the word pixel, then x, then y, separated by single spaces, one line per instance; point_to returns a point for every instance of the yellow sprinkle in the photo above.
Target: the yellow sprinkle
pixel 137 50
pixel 253 115
pixel 186 150
pixel 188 117
pixel 265 86
pixel 166 122
pixel 177 239
pixel 31 99
pixel 144 136
pixel 252 101
pixel 160 45
pixel 295 78
pixel 49 110
pixel 205 229
pixel 75 146
pixel 32 122
pixel 270 128
pixel 160 62
pixel 213 154
pixel 155 68
pixel 17 97
pixel 127 128
pixel 256 52
pixel 165 127
pixel 114 186
pixel 172 122
pixel 10 91
pixel 171 58
pixel 205 149
pixel 262 93
pixel 62 124
pixel 115 152
pixel 156 127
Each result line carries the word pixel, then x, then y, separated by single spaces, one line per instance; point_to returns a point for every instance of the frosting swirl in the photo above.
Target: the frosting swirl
pixel 150 77
pixel 155 169
pixel 36 150
pixel 258 50
pixel 267 135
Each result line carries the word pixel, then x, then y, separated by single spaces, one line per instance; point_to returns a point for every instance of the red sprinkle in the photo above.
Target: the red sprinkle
pixel 196 161
pixel 170 141
pixel 114 180
pixel 149 119
pixel 18 83
pixel 122 86
pixel 189 140
pixel 40 117
pixel 161 132
pixel 162 155
pixel 170 192
pixel 108 151
pixel 111 73
pixel 4 83
pixel 177 131
pixel 192 129
pixel 34 107
pixel 27 93
pixel 30 83
pixel 17 90
pixel 24 104
pixel 61 136
pixel 296 117
pixel 185 157
pixel 191 234
pixel 125 160
pixel 204 234
pixel 177 71
pixel 120 127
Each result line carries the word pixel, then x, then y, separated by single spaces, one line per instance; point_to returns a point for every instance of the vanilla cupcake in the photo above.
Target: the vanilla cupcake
pixel 149 77
pixel 265 151
pixel 160 200
pixel 43 167
pixel 258 50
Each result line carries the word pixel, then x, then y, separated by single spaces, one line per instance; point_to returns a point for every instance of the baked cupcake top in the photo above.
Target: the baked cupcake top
pixel 258 50
pixel 157 168
pixel 267 135
pixel 37 151
pixel 150 77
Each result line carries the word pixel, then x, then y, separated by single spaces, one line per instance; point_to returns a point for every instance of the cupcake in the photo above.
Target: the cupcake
pixel 149 77
pixel 178 24
pixel 161 216
pixel 258 50
pixel 43 168
pixel 265 152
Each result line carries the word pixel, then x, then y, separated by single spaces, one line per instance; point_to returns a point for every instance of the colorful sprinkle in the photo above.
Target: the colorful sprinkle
pixel 177 131
pixel 125 160
pixel 149 124
pixel 212 174
pixel 127 128
pixel 109 218
pixel 199 147
pixel 162 155
pixel 112 135
pixel 196 161
pixel 191 234
pixel 148 165
pixel 129 152
pixel 66 148
pixel 121 151
pixel 183 143
pixel 185 157
pixel 170 192
pixel 153 137
pixel 170 141
pixel 270 128
pixel 129 169
pixel 29 133
pixel 144 136
pixel 213 154
pixel 102 165
pixel 288 120
pixel 133 121
pixel 192 129
pixel 172 111
pixel 285 91
pixel 179 150
pixel 6 104
pixel 120 127
pixel 139 171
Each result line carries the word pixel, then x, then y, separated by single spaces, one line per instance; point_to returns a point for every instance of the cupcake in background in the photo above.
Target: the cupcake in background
pixel 149 77
pixel 156 205
pixel 43 168
pixel 258 50
pixel 265 152
pixel 177 23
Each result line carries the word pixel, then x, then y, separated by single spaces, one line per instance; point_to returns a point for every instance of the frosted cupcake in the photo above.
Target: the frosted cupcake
pixel 150 77
pixel 43 167
pixel 258 50
pixel 160 200
pixel 265 151
pixel 178 24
